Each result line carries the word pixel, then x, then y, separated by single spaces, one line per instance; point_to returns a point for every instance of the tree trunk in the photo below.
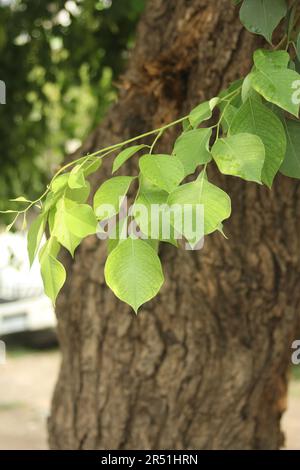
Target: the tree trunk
pixel 203 366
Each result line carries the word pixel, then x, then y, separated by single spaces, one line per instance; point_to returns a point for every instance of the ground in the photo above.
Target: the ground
pixel 26 383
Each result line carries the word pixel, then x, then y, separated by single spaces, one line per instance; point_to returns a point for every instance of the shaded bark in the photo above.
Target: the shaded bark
pixel 205 364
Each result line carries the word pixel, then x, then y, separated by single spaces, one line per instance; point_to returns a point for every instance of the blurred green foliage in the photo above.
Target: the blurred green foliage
pixel 59 60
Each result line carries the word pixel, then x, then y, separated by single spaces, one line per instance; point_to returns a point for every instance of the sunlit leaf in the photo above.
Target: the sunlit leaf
pixel 240 155
pixel 164 171
pixel 192 149
pixel 133 272
pixel 255 118
pixel 34 236
pixel 125 155
pixel 110 194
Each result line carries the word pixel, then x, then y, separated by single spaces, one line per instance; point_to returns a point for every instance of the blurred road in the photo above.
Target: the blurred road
pixel 26 385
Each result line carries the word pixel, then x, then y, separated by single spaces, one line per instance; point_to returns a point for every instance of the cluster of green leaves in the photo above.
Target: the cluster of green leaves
pixel 59 60
pixel 253 139
pixel 254 135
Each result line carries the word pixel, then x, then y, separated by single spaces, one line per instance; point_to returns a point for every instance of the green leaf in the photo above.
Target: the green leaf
pixel 133 272
pixel 50 201
pixel 216 204
pixel 51 219
pixel 9 211
pixel 125 155
pixel 240 155
pixel 120 233
pixel 149 214
pixel 34 236
pixel 202 112
pixel 76 178
pixel 79 219
pixel 228 116
pixel 60 182
pixel 271 59
pixel 79 195
pixel 234 100
pixel 59 227
pixel 109 194
pixel 164 171
pixel 91 165
pixel 186 125
pixel 262 16
pixel 291 164
pixel 275 83
pixel 8 227
pixel 51 247
pixel 192 149
pixel 255 118
pixel 248 91
pixel 53 274
pixel 20 199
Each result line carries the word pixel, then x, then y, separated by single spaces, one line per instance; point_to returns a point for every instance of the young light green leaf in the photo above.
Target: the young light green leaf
pixel 51 247
pixel 141 210
pixel 275 83
pixel 76 178
pixel 20 199
pixel 125 155
pixel 79 219
pixel 50 201
pixel 59 227
pixel 255 118
pixel 203 111
pixel 9 211
pixel 60 182
pixel 271 59
pixel 192 149
pixel 240 155
pixel 150 214
pixel 107 197
pixel 79 195
pixel 262 16
pixel 164 171
pixel 34 236
pixel 51 219
pixel 8 227
pixel 133 272
pixel 91 165
pixel 291 164
pixel 216 204
pixel 118 234
pixel 53 274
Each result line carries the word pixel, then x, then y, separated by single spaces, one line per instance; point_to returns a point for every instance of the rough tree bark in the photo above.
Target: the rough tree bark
pixel 204 365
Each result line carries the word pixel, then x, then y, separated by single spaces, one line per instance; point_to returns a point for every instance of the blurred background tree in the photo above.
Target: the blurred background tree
pixel 60 80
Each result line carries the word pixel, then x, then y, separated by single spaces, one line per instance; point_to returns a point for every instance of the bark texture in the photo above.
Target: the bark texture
pixel 204 366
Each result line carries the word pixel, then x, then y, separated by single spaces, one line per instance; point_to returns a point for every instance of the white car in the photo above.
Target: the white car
pixel 23 304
